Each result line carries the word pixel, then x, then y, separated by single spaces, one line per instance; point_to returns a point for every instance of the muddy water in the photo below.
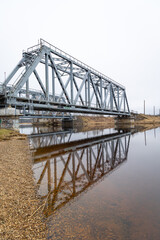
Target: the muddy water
pixel 99 184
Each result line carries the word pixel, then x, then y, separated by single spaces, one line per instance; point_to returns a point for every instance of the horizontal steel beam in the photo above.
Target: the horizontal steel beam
pixel 59 108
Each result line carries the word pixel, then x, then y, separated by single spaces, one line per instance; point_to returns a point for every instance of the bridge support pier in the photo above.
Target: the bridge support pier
pixel 124 121
pixel 67 123
pixel 9 122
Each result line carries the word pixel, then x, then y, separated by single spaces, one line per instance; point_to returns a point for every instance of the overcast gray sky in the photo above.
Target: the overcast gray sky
pixel 120 38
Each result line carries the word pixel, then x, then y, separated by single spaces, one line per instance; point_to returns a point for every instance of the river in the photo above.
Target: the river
pixel 101 184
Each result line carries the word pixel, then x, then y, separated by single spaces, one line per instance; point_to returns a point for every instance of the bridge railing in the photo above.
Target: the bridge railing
pixel 39 95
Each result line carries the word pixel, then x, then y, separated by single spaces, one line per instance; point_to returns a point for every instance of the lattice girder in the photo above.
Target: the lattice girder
pixel 65 85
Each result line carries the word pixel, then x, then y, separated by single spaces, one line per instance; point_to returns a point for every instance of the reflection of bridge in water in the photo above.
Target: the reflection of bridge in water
pixel 66 170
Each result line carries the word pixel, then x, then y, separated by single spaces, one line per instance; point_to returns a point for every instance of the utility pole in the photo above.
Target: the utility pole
pixel 4 76
pixel 145 138
pixel 144 107
pixel 154 110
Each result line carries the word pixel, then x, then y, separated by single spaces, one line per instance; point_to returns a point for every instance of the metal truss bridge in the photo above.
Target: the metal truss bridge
pixel 49 80
pixel 70 169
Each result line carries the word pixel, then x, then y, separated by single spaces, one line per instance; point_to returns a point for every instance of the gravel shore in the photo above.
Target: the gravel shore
pixel 20 215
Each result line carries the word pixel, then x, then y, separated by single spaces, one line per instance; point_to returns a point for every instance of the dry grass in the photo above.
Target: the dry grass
pixel 6 133
pixel 94 122
pixel 146 119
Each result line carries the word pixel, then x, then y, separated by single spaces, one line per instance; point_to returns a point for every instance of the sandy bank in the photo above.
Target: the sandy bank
pixel 18 216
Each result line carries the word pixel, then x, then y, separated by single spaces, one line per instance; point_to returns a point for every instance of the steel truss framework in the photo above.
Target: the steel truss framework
pixel 43 140
pixel 66 173
pixel 66 85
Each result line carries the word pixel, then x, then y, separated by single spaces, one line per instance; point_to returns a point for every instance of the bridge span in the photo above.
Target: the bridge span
pixel 47 79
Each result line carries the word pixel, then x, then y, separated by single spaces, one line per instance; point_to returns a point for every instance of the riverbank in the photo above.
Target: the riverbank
pixel 21 210
pixel 138 121
pixel 93 122
pixel 142 119
pixel 19 218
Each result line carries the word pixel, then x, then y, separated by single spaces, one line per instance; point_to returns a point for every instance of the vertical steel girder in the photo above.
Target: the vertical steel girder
pixel 79 167
pixel 67 82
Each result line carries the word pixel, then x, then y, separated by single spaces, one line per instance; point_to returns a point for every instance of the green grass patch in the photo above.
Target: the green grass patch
pixel 5 133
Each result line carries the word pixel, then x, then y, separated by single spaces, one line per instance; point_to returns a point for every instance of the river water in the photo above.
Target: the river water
pixel 101 184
